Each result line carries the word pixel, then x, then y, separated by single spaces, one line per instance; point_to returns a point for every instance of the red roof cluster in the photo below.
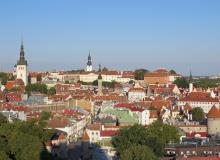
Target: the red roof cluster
pixel 132 107
pixel 72 113
pixel 197 134
pixel 108 133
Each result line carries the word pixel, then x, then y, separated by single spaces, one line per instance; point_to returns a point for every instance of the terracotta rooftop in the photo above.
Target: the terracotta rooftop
pixel 214 113
pixel 85 136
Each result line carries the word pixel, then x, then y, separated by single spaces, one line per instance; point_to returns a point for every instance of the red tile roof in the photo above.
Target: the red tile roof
pixel 109 133
pixel 213 113
pixel 196 134
pixel 132 107
pixel 85 136
pixel 95 126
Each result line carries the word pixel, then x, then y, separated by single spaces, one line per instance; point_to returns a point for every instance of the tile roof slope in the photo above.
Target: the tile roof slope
pixel 214 113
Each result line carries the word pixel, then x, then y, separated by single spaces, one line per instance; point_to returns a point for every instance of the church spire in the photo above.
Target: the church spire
pixel 190 77
pixel 22 51
pixel 22 60
pixel 190 82
pixel 89 63
pixel 100 70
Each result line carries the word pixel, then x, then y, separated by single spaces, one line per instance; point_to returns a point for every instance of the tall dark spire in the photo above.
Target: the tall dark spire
pixel 100 70
pixel 22 60
pixel 190 77
pixel 89 63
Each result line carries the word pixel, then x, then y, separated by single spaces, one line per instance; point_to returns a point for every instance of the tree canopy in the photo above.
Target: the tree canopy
pixel 139 74
pixel 139 153
pixel 155 136
pixel 42 88
pixel 23 141
pixel 197 114
pixel 181 82
pixel 51 91
pixel 172 71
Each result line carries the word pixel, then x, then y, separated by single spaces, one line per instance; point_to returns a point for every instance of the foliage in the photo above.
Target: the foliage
pixel 105 84
pixel 206 83
pixel 197 114
pixel 51 91
pixel 131 82
pixel 23 140
pixel 181 82
pixel 172 71
pixel 45 116
pixel 3 119
pixel 138 153
pixel 42 88
pixel 139 74
pixel 105 69
pixel 156 136
pixel 39 77
pixel 67 82
pixel 3 78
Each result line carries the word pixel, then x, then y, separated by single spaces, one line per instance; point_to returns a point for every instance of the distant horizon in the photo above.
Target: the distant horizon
pixel 122 35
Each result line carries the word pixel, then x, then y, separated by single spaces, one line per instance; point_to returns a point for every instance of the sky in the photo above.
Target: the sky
pixel 120 34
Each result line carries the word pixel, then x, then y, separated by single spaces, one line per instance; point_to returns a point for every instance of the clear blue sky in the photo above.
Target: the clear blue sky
pixel 121 34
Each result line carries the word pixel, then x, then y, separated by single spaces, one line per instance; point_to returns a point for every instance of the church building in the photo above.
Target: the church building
pixel 21 67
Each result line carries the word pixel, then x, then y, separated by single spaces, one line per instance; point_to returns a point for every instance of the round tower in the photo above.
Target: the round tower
pixel 213 118
pixel 100 82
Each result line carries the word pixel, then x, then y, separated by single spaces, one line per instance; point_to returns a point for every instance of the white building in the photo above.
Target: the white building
pixel 136 94
pixel 205 103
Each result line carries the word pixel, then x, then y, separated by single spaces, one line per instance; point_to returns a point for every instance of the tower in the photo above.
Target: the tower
pixel 100 82
pixel 21 67
pixel 190 82
pixel 89 64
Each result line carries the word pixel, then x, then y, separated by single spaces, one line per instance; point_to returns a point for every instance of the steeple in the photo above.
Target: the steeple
pixel 89 63
pixel 100 81
pixel 190 82
pixel 190 77
pixel 100 70
pixel 22 60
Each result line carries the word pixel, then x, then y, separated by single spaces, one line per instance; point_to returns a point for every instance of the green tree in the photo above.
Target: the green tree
pixel 197 114
pixel 137 135
pixel 131 82
pixel 23 140
pixel 3 156
pixel 181 82
pixel 172 71
pixel 155 136
pixel 138 153
pixel 3 78
pixel 105 69
pixel 39 77
pixel 139 74
pixel 51 91
pixel 3 119
pixel 45 116
pixel 42 88
pixel 67 82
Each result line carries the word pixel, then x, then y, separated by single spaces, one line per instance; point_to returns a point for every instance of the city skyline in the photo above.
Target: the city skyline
pixel 121 35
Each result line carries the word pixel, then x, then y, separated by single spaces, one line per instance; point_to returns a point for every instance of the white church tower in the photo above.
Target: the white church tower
pixel 190 82
pixel 21 67
pixel 89 64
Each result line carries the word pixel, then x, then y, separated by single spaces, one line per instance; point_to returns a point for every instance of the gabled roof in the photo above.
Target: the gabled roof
pixel 213 113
